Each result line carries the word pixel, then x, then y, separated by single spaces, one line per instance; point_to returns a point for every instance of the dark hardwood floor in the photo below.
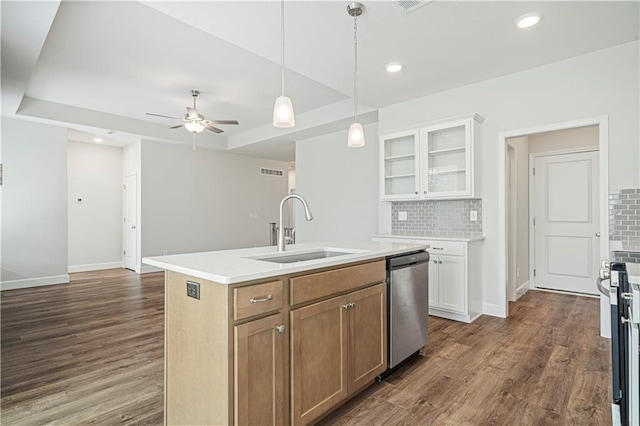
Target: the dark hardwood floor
pixel 91 352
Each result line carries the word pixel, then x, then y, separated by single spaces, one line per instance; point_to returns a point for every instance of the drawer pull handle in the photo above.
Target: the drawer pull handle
pixel 349 305
pixel 266 299
pixel 281 328
pixel 438 248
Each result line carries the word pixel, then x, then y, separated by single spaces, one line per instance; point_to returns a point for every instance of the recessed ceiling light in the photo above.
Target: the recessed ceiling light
pixel 394 66
pixel 528 19
pixel 98 140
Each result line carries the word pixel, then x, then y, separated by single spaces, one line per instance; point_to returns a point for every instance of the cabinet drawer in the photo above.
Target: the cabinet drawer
pixel 257 299
pixel 324 284
pixel 455 248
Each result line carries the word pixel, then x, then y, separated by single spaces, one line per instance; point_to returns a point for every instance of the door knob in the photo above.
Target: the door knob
pixel 598 234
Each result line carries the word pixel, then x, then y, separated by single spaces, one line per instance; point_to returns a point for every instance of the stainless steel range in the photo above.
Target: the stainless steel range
pixel 624 302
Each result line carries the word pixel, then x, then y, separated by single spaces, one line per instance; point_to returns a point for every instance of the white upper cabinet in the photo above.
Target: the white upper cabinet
pixel 434 161
pixel 400 169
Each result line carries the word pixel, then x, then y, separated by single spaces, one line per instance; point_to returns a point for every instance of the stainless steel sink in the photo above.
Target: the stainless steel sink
pixel 293 257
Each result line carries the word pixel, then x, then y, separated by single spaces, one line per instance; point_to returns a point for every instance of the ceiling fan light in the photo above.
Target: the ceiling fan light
pixel 356 136
pixel 283 115
pixel 194 126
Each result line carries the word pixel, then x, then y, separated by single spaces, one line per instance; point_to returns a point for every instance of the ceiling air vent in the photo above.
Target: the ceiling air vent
pixel 271 172
pixel 411 5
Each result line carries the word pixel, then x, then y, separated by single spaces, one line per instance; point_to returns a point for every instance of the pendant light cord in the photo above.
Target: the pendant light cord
pixel 282 43
pixel 355 70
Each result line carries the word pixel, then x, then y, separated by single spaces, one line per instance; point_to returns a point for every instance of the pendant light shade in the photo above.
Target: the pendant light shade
pixel 355 138
pixel 283 115
pixel 194 126
pixel 283 112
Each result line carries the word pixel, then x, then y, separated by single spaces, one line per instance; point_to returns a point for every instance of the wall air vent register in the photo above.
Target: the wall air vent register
pixel 271 172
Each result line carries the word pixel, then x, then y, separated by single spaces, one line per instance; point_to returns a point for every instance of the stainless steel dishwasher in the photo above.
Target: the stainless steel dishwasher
pixel 408 310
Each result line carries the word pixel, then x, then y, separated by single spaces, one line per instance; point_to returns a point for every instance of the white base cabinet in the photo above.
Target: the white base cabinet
pixel 455 276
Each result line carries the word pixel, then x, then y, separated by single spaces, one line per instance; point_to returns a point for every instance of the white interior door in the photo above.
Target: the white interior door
pixel 130 222
pixel 566 215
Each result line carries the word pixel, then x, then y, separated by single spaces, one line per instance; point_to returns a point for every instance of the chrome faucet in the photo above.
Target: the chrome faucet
pixel 307 214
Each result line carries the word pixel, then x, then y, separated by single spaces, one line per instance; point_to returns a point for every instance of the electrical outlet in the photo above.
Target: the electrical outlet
pixel 402 216
pixel 193 289
pixel 474 215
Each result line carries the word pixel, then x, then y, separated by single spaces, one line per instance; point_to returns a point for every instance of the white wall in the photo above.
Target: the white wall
pixel 34 204
pixel 599 83
pixel 341 186
pixel 202 200
pixel 581 137
pixel 521 201
pixel 95 224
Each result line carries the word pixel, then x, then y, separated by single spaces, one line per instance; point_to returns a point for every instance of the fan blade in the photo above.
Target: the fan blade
pixel 210 128
pixel 163 116
pixel 193 113
pixel 177 127
pixel 224 121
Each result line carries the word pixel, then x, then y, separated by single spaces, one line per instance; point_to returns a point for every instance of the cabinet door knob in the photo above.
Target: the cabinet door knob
pixel 352 304
pixel 281 328
pixel 440 262
pixel 416 192
pixel 435 261
pixel 345 307
pixel 424 192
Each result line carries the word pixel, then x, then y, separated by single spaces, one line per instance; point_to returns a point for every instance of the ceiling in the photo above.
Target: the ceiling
pixel 100 66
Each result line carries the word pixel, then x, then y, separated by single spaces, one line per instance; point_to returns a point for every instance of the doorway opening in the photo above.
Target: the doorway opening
pixel 555 147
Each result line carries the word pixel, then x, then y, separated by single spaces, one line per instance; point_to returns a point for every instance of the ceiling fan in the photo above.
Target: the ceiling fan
pixel 194 122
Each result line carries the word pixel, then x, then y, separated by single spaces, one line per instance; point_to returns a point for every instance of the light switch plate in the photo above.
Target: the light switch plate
pixel 474 215
pixel 402 216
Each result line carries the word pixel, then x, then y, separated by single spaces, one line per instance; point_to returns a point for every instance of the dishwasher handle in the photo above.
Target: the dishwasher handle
pixel 407 260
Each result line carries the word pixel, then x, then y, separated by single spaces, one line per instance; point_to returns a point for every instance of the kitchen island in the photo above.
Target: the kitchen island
pixel 252 337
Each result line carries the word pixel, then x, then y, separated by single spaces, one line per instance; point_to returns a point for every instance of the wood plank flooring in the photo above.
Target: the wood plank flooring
pixel 91 352
pixel 546 364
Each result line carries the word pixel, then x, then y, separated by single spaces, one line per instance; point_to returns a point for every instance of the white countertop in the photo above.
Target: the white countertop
pixel 426 237
pixel 235 266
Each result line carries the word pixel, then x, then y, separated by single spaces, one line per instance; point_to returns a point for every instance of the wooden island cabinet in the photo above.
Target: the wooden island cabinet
pixel 283 350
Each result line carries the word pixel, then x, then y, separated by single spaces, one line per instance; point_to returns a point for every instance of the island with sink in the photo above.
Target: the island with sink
pixel 261 336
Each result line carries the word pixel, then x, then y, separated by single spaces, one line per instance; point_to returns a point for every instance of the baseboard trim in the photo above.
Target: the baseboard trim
pixel 147 269
pixel 95 267
pixel 520 291
pixel 34 282
pixel 492 309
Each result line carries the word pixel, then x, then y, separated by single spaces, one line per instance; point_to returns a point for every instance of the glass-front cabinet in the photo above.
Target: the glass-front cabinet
pixel 434 161
pixel 400 165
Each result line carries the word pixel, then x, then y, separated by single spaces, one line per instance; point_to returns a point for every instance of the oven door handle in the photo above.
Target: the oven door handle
pixel 605 275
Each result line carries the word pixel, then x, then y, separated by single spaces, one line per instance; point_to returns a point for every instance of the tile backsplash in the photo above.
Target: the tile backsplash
pixel 624 223
pixel 437 218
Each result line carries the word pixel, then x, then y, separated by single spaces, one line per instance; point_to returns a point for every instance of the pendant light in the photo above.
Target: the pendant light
pixel 283 109
pixel 356 133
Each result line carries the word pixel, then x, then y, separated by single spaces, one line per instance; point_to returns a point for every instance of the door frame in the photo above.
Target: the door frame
pixel 603 153
pixel 124 224
pixel 532 158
